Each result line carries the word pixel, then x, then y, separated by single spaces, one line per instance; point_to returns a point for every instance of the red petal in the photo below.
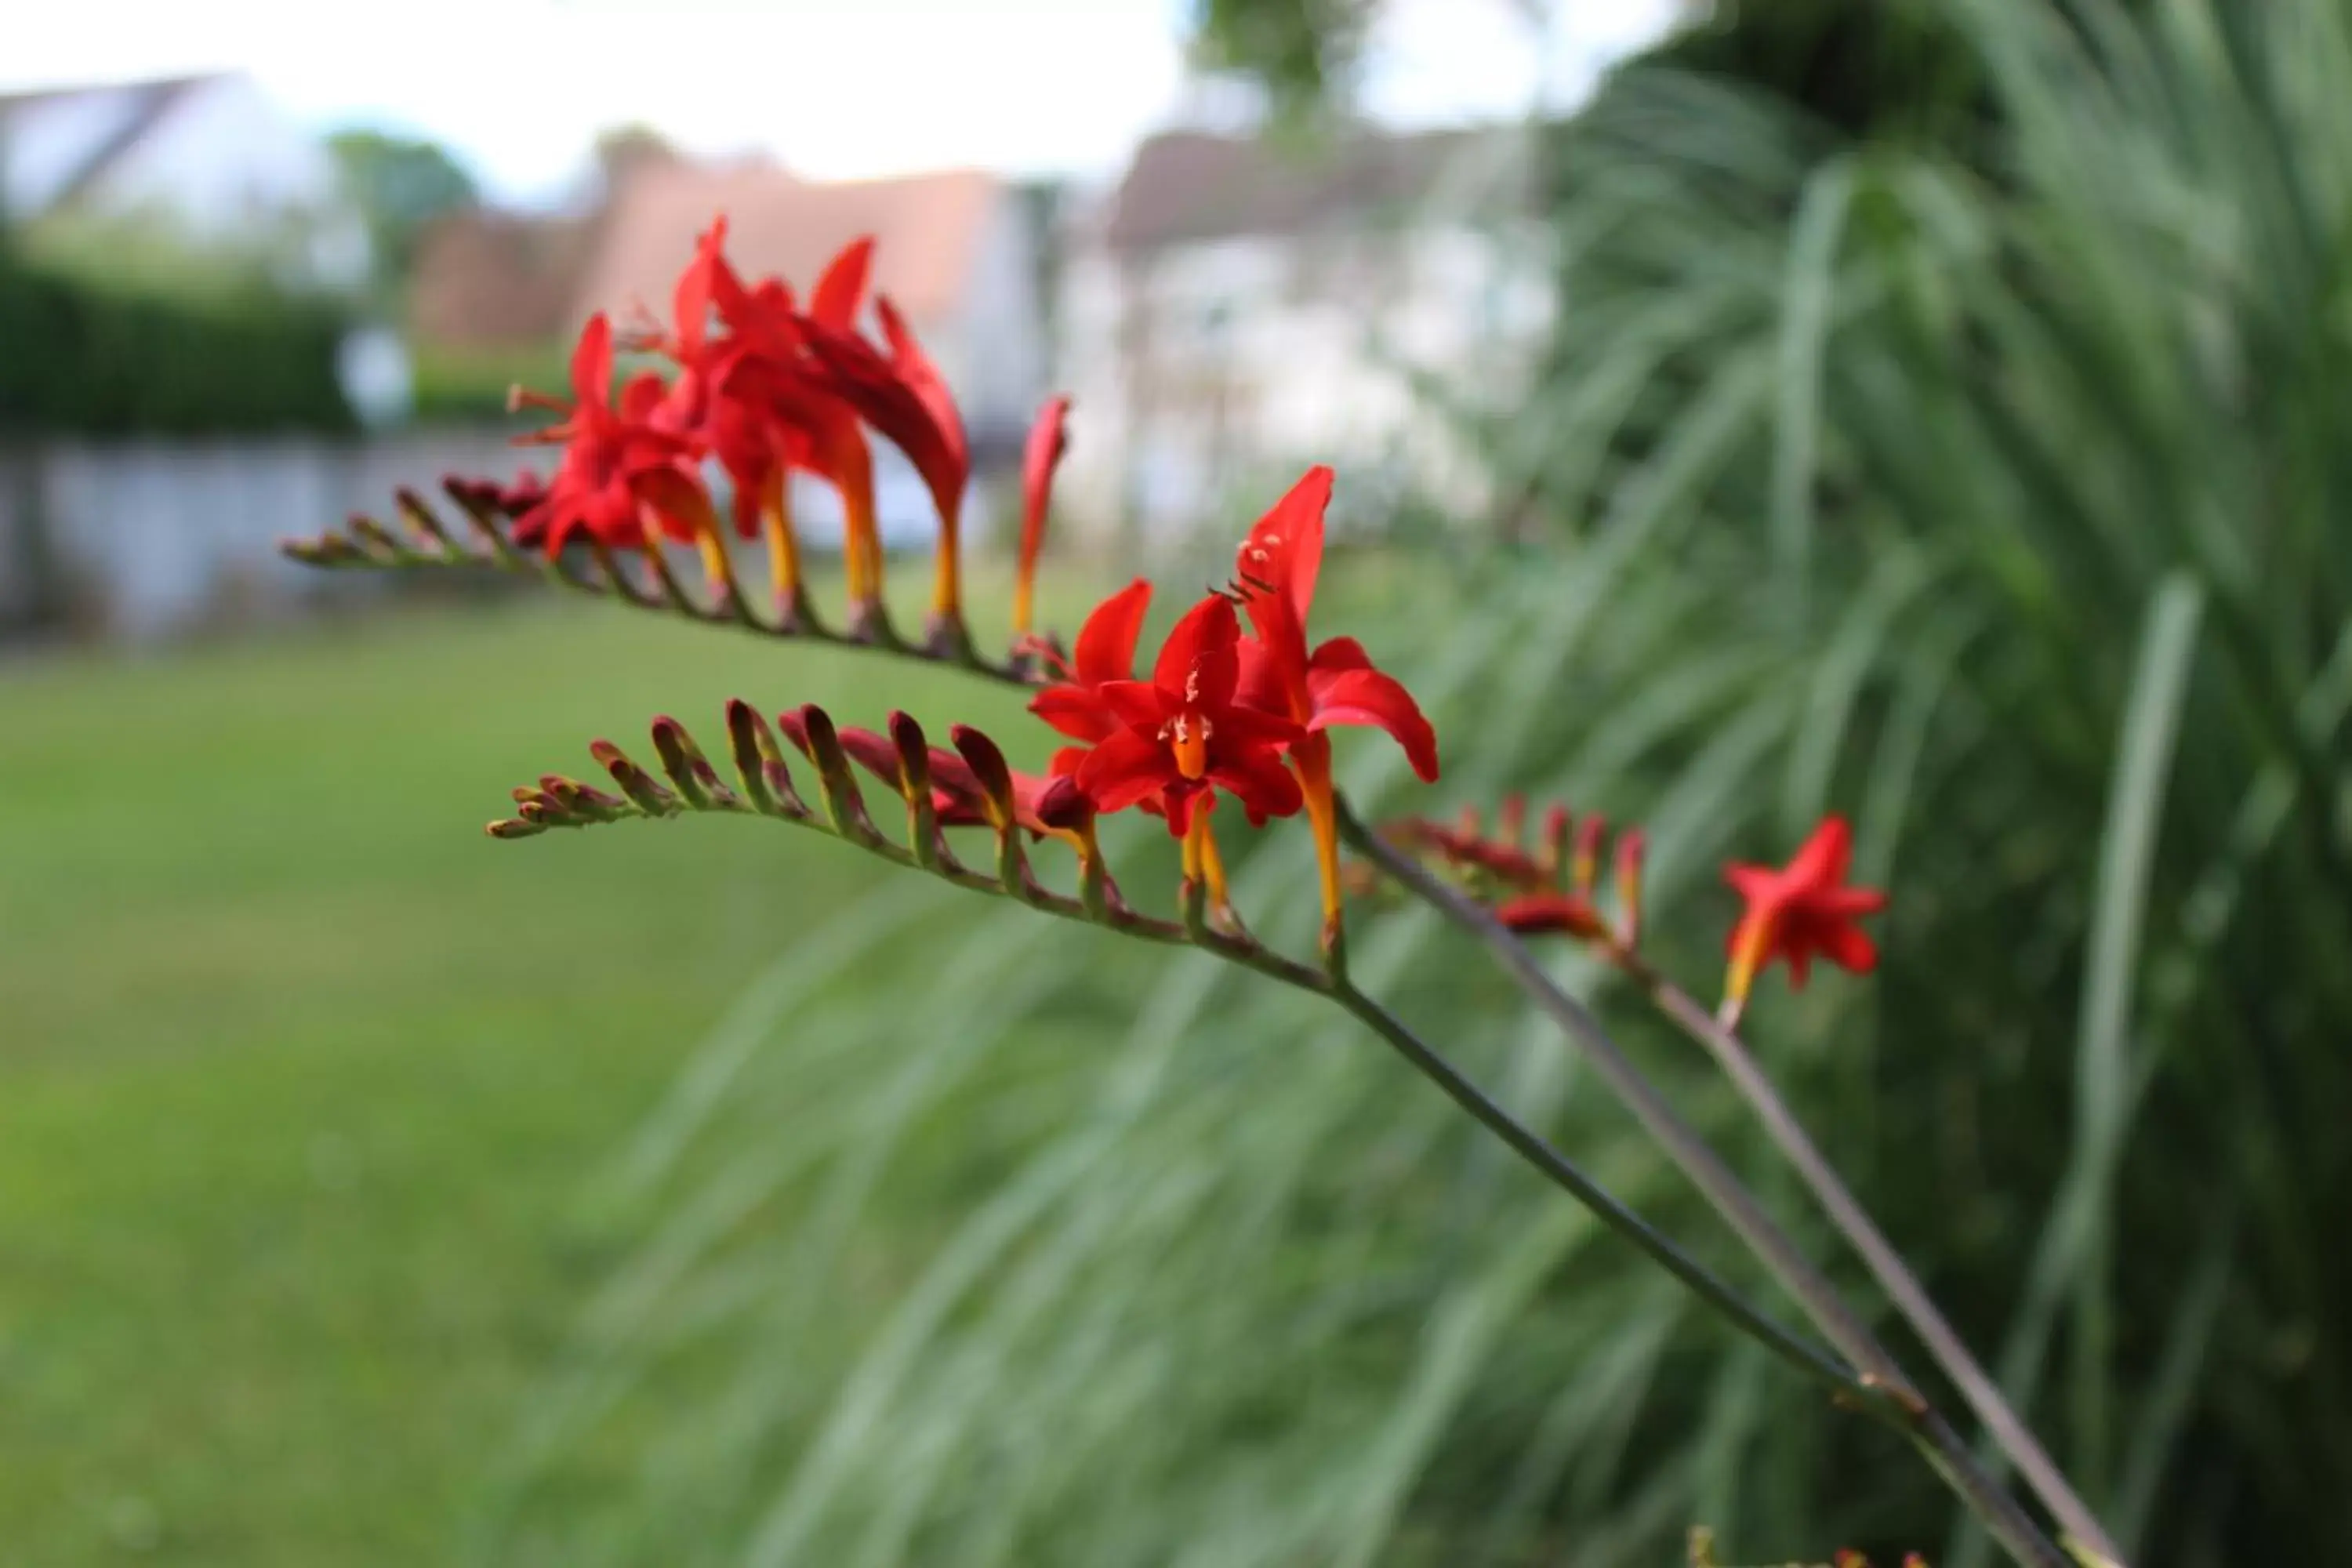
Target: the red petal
pixel 1282 637
pixel 1341 653
pixel 1285 546
pixel 1136 703
pixel 1048 439
pixel 1850 948
pixel 842 289
pixel 1073 710
pixel 1845 903
pixel 690 302
pixel 1206 626
pixel 1261 685
pixel 1369 696
pixel 1106 648
pixel 872 752
pixel 1259 780
pixel 953 773
pixel 592 363
pixel 1826 857
pixel 1246 728
pixel 915 372
pixel 641 394
pixel 1124 768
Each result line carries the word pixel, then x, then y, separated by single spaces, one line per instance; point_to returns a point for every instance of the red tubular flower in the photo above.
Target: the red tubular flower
pixel 761 375
pixel 1105 652
pixel 617 466
pixel 1049 437
pixel 903 396
pixel 1180 736
pixel 744 436
pixel 1333 684
pixel 1800 909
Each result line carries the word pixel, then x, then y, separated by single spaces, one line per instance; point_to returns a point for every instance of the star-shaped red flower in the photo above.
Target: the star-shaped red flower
pixel 1801 909
pixel 1180 736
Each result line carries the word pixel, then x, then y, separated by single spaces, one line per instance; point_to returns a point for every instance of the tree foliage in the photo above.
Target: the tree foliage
pixel 401 184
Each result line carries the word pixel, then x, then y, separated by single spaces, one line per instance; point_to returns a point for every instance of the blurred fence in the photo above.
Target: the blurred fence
pixel 138 541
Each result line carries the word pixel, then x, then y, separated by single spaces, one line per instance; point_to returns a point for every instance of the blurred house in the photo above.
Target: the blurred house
pixel 487 282
pixel 1233 310
pixel 209 160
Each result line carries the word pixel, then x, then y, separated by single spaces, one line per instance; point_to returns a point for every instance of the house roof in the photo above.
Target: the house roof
pixel 75 135
pixel 1190 185
pixel 495 280
pixel 928 229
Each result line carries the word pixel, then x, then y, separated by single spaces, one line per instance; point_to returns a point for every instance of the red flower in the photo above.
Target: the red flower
pixel 707 402
pixel 1801 909
pixel 1180 736
pixel 763 370
pixel 617 465
pixel 1049 437
pixel 903 396
pixel 1333 684
pixel 1105 652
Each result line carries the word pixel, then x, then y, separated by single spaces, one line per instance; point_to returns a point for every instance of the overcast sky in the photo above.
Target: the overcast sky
pixel 836 88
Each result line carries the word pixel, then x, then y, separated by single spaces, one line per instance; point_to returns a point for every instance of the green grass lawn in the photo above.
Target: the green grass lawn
pixel 301 1077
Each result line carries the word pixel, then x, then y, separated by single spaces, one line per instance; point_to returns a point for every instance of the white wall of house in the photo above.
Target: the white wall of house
pixel 1004 352
pixel 1205 363
pixel 223 162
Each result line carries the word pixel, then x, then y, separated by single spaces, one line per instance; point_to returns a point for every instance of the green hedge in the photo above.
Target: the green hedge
pixel 469 387
pixel 83 359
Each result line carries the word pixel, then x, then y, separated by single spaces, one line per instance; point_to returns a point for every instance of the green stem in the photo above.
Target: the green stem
pixel 1822 1303
pixel 1885 1264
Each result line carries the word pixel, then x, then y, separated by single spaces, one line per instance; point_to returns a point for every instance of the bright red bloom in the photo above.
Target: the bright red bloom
pixel 1049 437
pixel 1800 909
pixel 772 401
pixel 1336 683
pixel 1333 684
pixel 707 402
pixel 1105 652
pixel 1180 736
pixel 902 395
pixel 617 465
